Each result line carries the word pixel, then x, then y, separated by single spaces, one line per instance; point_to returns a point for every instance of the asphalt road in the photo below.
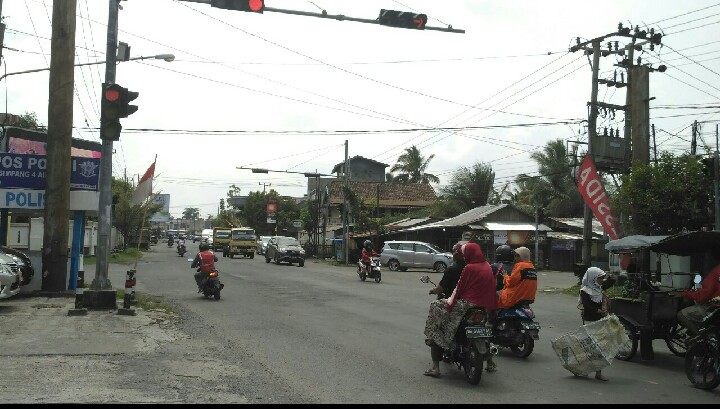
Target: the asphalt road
pixel 286 334
pixel 317 334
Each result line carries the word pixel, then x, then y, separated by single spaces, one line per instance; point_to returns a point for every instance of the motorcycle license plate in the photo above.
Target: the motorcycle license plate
pixel 530 325
pixel 478 332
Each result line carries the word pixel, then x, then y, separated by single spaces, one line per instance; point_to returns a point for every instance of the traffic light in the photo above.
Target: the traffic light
pixel 115 105
pixel 255 6
pixel 708 165
pixel 402 19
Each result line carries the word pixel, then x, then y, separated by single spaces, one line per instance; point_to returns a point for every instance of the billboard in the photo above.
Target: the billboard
pixel 20 140
pixel 27 171
pixel 164 199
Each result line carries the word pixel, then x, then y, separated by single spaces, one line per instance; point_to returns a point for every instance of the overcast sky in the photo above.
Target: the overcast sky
pixel 279 90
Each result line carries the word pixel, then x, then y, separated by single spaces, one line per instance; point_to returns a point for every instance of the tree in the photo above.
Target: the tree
pixel 127 219
pixel 412 165
pixel 666 198
pixel 554 189
pixel 29 120
pixel 191 213
pixel 470 187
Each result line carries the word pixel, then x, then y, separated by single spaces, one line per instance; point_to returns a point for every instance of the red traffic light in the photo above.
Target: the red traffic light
pixel 256 5
pixel 402 19
pixel 111 94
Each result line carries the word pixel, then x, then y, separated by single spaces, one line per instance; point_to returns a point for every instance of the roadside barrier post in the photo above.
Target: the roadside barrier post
pixel 129 297
pixel 79 296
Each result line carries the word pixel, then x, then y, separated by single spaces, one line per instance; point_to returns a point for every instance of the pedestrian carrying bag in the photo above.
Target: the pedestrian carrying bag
pixel 591 347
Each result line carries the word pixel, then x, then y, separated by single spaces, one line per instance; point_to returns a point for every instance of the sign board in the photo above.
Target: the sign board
pixel 297 223
pixel 27 171
pixel 33 199
pixel 271 219
pixel 272 211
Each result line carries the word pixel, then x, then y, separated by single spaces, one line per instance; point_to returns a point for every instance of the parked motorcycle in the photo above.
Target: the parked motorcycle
pixel 702 359
pixel 472 342
pixel 181 250
pixel 374 270
pixel 516 328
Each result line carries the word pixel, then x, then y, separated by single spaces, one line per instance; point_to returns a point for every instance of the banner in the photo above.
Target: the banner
pixel 27 171
pixel 271 211
pixel 593 191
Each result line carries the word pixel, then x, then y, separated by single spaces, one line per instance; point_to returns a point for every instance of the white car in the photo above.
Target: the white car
pixel 9 282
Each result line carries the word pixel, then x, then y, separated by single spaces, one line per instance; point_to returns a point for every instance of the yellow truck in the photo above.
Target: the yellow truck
pixel 221 238
pixel 242 241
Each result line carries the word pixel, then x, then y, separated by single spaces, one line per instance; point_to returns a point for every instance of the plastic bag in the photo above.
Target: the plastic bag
pixel 591 347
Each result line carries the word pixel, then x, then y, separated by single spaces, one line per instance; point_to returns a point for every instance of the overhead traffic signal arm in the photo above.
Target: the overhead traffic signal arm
pixel 402 19
pixel 254 6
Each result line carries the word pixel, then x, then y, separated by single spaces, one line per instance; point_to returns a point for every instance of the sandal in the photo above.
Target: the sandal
pixel 432 372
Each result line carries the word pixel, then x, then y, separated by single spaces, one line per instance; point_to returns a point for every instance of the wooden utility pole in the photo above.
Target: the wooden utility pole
pixel 60 115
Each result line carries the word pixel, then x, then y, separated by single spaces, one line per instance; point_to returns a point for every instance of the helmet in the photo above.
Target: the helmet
pixel 204 246
pixel 504 254
pixel 367 244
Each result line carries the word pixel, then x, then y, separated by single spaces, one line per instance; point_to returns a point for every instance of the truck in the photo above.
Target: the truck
pixel 242 241
pixel 221 238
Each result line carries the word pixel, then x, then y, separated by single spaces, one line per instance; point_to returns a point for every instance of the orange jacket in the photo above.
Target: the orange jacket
pixel 520 285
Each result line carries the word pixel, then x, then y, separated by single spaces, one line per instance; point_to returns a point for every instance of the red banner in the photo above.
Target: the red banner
pixel 593 191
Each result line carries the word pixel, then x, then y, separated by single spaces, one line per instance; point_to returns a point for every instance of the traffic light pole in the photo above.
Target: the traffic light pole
pixel 101 281
pixel 338 17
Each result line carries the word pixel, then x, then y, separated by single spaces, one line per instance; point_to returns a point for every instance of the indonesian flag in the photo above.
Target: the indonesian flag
pixel 144 188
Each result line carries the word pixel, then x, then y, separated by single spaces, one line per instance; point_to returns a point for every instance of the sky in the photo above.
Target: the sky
pixel 285 92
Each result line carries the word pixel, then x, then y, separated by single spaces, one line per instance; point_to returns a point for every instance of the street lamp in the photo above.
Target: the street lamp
pixel 166 57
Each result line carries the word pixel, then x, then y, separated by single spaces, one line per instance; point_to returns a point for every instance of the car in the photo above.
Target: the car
pixel 283 249
pixel 20 260
pixel 9 282
pixel 399 255
pixel 262 244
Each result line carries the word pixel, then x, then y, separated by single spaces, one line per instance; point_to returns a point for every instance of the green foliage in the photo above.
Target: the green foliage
pixel 469 187
pixel 667 197
pixel 360 212
pixel 29 120
pixel 412 165
pixel 126 218
pixel 191 213
pixel 254 212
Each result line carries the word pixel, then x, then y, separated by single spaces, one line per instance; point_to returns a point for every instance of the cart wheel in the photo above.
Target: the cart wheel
pixel 628 351
pixel 676 337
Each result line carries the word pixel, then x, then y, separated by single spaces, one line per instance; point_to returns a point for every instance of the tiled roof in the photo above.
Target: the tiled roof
pixel 391 194
pixel 354 158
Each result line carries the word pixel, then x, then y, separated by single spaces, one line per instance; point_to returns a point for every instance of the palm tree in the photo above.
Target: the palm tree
pixel 554 189
pixel 411 166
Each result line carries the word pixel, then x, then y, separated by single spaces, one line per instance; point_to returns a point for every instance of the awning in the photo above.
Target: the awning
pixel 509 226
pixel 631 244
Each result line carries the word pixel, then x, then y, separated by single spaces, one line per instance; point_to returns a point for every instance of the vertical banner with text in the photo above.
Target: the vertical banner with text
pixel 593 191
pixel 272 211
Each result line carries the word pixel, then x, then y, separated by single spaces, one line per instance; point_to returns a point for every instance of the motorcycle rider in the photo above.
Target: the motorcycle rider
pixel 693 315
pixel 452 274
pixel 476 287
pixel 521 284
pixel 170 241
pixel 366 253
pixel 181 243
pixel 504 259
pixel 205 259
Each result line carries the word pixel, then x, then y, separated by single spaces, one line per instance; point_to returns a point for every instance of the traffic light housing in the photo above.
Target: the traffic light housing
pixel 402 19
pixel 254 6
pixel 115 105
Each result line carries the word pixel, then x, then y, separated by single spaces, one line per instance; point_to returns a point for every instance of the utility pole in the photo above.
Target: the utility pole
pixel 640 114
pixel 60 114
pixel 592 133
pixel 263 185
pixel 716 181
pixel 101 281
pixel 346 227
pixel 2 31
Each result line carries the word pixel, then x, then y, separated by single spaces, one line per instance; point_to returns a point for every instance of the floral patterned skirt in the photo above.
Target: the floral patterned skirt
pixel 440 326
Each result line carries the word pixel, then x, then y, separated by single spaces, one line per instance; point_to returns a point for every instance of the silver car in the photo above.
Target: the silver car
pixel 9 282
pixel 401 255
pixel 262 244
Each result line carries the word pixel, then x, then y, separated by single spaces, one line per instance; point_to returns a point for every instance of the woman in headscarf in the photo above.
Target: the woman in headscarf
pixel 476 287
pixel 591 299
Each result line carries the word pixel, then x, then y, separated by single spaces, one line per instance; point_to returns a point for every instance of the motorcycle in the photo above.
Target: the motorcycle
pixel 374 270
pixel 472 342
pixel 702 359
pixel 516 328
pixel 171 242
pixel 181 250
pixel 211 284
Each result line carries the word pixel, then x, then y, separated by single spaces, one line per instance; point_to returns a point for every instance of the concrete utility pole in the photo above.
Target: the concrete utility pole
pixel 640 114
pixel 263 185
pixel 346 227
pixel 592 133
pixel 101 281
pixel 60 116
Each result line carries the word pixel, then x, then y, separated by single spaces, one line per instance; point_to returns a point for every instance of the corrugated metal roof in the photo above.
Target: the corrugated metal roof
pixel 578 224
pixel 409 222
pixel 471 216
pixel 516 226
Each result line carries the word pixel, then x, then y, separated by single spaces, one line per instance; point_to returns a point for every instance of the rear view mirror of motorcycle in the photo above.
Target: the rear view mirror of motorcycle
pixel 697 279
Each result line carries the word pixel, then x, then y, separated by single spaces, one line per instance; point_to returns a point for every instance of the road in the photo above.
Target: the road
pixel 317 334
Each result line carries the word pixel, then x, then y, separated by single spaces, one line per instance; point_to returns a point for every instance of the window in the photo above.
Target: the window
pixel 394 246
pixel 406 246
pixel 421 248
pixel 288 241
